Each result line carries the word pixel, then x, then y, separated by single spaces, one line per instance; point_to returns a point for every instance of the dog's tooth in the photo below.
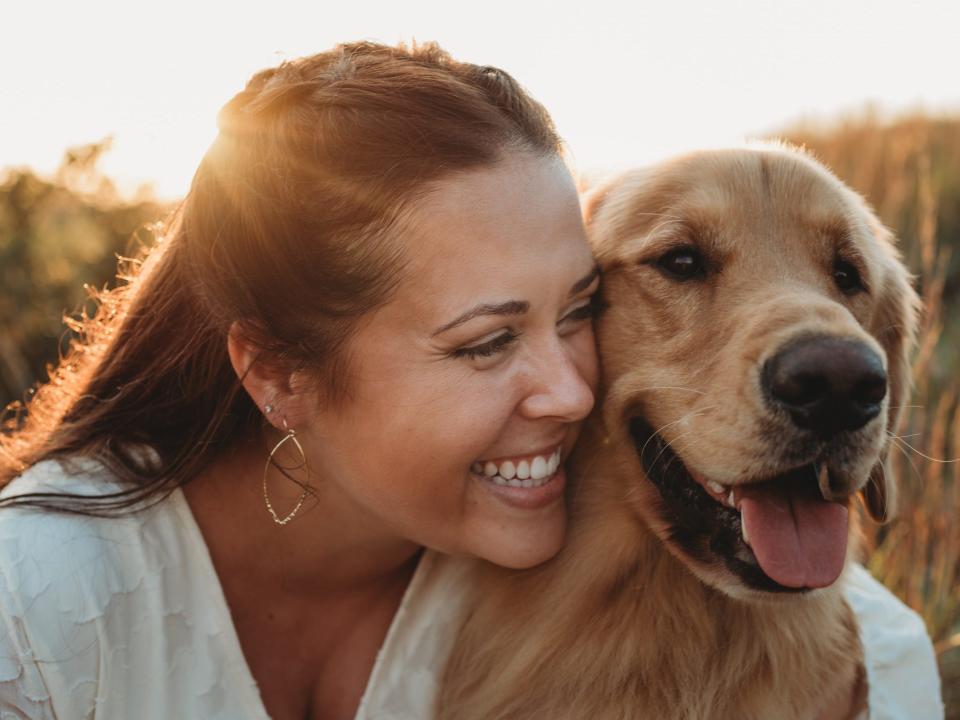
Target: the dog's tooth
pixel 730 500
pixel 743 531
pixel 716 487
pixel 823 481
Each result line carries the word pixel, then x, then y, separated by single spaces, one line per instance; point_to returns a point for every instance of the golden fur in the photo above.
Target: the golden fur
pixel 626 622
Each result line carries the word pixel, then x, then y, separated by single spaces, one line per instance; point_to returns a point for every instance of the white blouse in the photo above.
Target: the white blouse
pixel 125 618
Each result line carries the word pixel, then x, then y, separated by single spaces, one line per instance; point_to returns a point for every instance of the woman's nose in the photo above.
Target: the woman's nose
pixel 561 385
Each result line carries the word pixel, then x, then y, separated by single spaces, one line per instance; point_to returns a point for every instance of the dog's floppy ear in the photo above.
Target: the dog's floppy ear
pixel 894 325
pixel 591 198
pixel 607 208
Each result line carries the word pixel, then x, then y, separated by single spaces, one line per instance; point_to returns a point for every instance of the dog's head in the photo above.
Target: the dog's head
pixel 755 349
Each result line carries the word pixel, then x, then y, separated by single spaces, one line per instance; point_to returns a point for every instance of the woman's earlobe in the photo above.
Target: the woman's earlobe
pixel 263 383
pixel 270 383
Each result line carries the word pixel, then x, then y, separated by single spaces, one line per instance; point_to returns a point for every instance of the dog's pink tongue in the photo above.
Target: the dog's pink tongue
pixel 799 538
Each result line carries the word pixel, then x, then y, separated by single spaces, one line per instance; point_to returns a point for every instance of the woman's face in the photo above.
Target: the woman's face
pixel 468 389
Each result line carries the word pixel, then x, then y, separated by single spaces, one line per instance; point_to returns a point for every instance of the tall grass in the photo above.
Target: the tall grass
pixel 910 171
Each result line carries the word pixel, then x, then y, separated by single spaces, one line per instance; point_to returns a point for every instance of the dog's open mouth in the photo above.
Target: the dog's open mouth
pixel 778 534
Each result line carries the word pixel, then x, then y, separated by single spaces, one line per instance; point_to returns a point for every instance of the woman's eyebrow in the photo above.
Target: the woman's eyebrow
pixel 511 307
pixel 585 282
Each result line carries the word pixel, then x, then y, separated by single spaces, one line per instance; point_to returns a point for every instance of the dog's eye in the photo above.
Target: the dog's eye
pixel 684 263
pixel 847 277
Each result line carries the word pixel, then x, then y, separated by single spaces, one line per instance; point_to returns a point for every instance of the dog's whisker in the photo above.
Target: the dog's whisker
pixel 686 416
pixel 903 442
pixel 635 489
pixel 909 459
pixel 691 414
pixel 901 437
pixel 657 432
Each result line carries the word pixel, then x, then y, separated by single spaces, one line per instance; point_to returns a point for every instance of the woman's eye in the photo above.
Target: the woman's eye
pixel 587 311
pixel 487 349
pixel 847 277
pixel 685 263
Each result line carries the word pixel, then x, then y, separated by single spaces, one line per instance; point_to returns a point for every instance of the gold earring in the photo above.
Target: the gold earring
pixel 291 436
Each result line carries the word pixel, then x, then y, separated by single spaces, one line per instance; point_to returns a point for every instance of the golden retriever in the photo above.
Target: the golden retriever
pixel 754 347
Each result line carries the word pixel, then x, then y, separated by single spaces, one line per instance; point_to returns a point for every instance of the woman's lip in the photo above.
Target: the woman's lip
pixel 532 498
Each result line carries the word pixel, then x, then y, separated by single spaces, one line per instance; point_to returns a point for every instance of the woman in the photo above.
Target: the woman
pixel 377 288
pixel 384 246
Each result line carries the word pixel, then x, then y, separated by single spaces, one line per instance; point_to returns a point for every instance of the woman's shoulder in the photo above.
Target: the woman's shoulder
pixel 58 565
pixel 122 607
pixel 61 576
pixel 44 547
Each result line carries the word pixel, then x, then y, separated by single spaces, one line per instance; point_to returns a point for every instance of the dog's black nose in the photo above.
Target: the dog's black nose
pixel 826 384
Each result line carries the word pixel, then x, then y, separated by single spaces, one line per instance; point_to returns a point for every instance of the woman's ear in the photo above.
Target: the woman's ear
pixel 267 381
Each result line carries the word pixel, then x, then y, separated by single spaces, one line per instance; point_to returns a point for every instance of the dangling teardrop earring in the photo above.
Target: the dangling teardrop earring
pixel 291 436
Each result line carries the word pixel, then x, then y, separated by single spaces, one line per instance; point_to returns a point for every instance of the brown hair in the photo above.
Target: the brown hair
pixel 287 228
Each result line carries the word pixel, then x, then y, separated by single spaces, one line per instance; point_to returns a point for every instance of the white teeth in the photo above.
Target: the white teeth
pixel 538 469
pixel 743 531
pixel 526 473
pixel 553 463
pixel 716 487
pixel 730 500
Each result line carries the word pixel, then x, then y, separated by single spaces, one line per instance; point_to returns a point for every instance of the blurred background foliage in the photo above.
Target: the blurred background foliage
pixel 60 237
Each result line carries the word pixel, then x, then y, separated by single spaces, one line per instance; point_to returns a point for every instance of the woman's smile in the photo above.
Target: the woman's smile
pixel 530 481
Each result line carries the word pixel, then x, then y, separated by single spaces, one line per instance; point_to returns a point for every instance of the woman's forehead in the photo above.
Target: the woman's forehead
pixel 509 232
pixel 519 208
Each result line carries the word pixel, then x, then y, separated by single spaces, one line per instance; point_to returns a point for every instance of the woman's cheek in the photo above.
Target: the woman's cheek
pixel 585 357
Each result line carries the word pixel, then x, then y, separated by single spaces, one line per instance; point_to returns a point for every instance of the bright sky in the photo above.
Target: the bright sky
pixel 626 82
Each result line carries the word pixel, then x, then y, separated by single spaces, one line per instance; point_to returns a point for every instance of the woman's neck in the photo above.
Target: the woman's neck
pixel 330 547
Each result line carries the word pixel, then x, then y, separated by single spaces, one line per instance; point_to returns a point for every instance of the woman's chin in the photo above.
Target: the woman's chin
pixel 521 546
